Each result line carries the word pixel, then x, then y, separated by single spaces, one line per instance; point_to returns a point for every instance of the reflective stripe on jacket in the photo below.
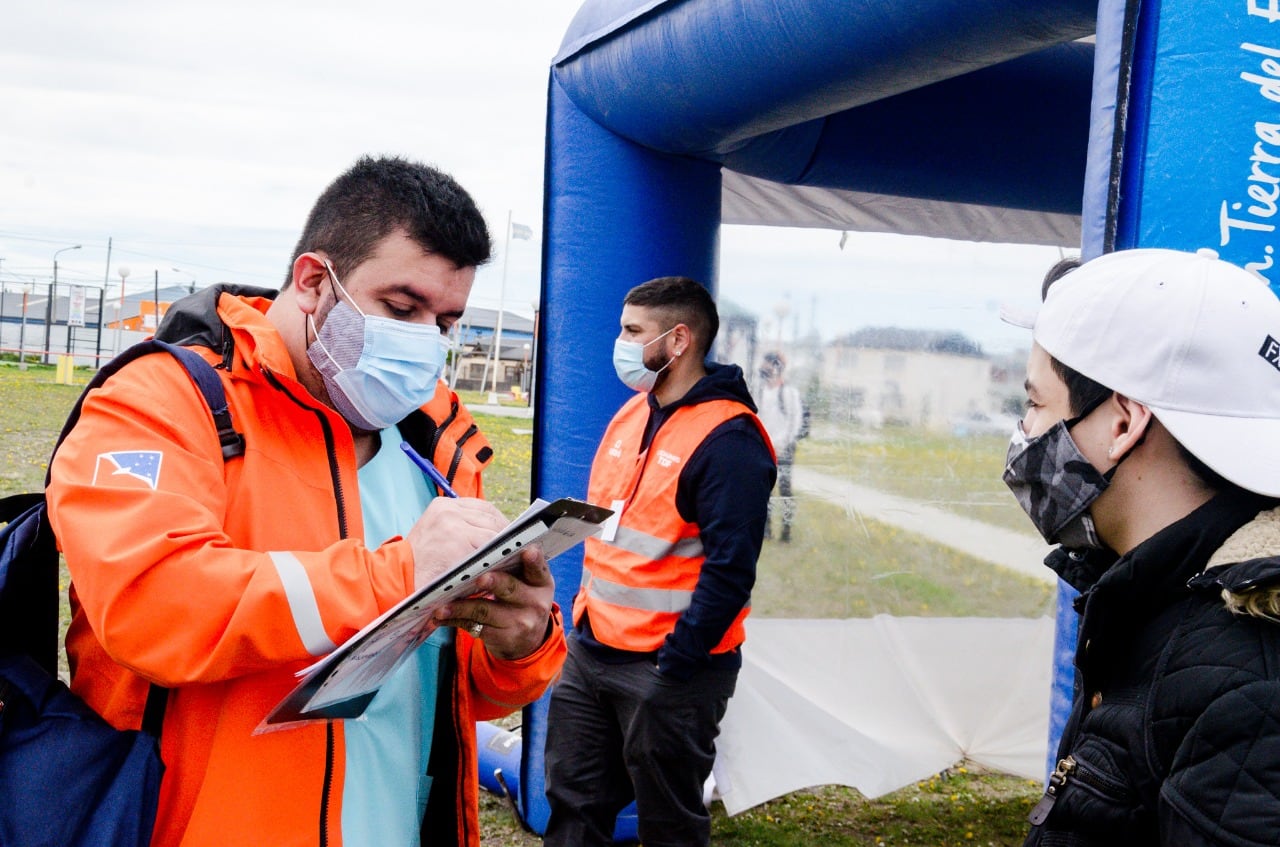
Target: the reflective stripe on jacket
pixel 636 584
pixel 220 580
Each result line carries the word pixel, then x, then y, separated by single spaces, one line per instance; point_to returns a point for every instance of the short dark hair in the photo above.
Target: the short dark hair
pixel 680 300
pixel 1057 271
pixel 377 196
pixel 1084 393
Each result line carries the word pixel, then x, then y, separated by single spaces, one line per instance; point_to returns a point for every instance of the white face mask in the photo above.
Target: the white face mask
pixel 628 363
pixel 377 370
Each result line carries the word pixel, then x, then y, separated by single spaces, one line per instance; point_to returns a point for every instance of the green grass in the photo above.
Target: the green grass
pixel 32 410
pixel 956 808
pixel 834 567
pixel 961 475
pixel 838 567
pixel 962 806
pixel 479 398
pixel 506 480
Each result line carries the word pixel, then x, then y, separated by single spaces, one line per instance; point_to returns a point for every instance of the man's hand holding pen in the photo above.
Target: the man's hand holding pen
pixel 510 611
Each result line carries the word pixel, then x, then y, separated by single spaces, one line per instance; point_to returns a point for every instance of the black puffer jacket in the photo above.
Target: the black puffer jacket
pixel 1174 736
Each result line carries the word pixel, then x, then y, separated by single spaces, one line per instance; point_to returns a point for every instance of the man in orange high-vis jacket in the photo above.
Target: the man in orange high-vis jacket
pixel 220 579
pixel 658 621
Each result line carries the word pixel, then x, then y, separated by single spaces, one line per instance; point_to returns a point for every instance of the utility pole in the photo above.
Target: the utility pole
pixel 22 333
pixel 497 330
pixel 123 270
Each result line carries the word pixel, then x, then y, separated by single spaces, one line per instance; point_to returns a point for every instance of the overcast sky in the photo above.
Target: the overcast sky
pixel 196 136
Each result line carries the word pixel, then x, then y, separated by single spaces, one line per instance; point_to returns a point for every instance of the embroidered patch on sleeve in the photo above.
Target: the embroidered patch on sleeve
pixel 139 464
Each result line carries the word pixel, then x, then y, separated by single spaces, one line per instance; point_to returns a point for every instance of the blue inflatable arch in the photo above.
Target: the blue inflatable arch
pixel 986 120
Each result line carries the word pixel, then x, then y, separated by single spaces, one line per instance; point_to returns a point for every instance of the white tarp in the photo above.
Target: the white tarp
pixel 880 703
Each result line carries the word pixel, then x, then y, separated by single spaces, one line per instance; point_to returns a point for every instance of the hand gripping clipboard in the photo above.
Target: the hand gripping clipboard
pixel 343 683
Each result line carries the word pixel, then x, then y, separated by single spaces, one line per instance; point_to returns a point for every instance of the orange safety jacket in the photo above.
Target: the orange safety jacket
pixel 639 576
pixel 219 580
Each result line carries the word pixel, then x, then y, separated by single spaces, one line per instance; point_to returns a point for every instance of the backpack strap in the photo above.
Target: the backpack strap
pixel 210 384
pixel 206 379
pixel 202 374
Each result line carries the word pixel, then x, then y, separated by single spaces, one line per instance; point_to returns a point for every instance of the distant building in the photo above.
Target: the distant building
pixel 890 375
pixel 472 364
pixel 96 327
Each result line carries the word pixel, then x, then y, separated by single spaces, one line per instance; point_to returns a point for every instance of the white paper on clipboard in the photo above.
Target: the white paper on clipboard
pixel 342 683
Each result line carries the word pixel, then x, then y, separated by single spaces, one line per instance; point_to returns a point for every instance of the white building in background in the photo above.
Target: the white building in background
pixel 889 375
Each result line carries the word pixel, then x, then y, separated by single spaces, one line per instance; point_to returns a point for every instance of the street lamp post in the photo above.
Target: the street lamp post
pixel 22 332
pixel 524 374
pixel 123 270
pixel 191 286
pixel 55 262
pixel 155 302
pixel 524 371
pixel 53 296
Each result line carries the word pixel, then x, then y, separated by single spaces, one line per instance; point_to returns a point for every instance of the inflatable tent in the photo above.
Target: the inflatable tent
pixel 1102 125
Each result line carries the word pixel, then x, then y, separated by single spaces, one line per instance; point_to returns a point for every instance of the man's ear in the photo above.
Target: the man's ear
pixel 1130 424
pixel 309 277
pixel 683 338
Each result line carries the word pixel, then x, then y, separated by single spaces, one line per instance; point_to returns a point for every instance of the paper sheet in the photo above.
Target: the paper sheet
pixel 341 684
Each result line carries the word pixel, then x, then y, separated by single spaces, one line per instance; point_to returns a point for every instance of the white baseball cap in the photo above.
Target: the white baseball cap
pixel 1193 338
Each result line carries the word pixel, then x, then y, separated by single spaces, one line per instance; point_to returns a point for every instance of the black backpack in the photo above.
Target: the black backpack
pixel 66 776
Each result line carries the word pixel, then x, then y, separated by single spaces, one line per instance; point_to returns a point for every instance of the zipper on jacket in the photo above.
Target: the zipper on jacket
pixel 1057 780
pixel 442 426
pixel 1070 769
pixel 453 464
pixel 464 768
pixel 326 791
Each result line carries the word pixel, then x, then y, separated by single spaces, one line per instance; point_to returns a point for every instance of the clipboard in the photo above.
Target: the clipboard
pixel 342 684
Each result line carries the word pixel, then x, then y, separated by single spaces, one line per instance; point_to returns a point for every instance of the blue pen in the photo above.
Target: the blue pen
pixel 429 469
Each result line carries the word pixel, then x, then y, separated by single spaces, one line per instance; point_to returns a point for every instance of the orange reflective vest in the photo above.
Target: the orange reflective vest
pixel 219 580
pixel 639 576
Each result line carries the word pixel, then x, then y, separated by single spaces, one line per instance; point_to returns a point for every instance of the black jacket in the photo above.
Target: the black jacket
pixel 1174 735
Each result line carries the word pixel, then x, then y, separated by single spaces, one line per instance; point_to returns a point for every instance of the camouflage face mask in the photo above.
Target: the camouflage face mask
pixel 1055 484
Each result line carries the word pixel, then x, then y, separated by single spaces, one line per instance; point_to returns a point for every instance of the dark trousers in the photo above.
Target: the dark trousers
pixel 783 490
pixel 618 732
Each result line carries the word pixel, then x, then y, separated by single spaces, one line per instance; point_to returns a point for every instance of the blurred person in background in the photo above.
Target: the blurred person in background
pixel 783 414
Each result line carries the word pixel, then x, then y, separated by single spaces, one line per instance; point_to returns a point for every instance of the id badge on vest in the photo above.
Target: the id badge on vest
pixel 609 529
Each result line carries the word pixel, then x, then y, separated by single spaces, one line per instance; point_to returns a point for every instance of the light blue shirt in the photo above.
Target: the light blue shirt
pixel 388 747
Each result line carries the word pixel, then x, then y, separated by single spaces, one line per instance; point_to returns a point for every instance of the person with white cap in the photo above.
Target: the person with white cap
pixel 1150 452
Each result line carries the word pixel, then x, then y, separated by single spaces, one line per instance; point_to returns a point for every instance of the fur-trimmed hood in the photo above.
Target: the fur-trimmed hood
pixel 1258 539
pixel 1246 568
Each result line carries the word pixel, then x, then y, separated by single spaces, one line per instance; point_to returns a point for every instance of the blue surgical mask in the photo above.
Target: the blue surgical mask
pixel 377 370
pixel 628 363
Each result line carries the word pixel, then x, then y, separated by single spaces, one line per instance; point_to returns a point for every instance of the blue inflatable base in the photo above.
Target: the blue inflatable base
pixel 499 759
